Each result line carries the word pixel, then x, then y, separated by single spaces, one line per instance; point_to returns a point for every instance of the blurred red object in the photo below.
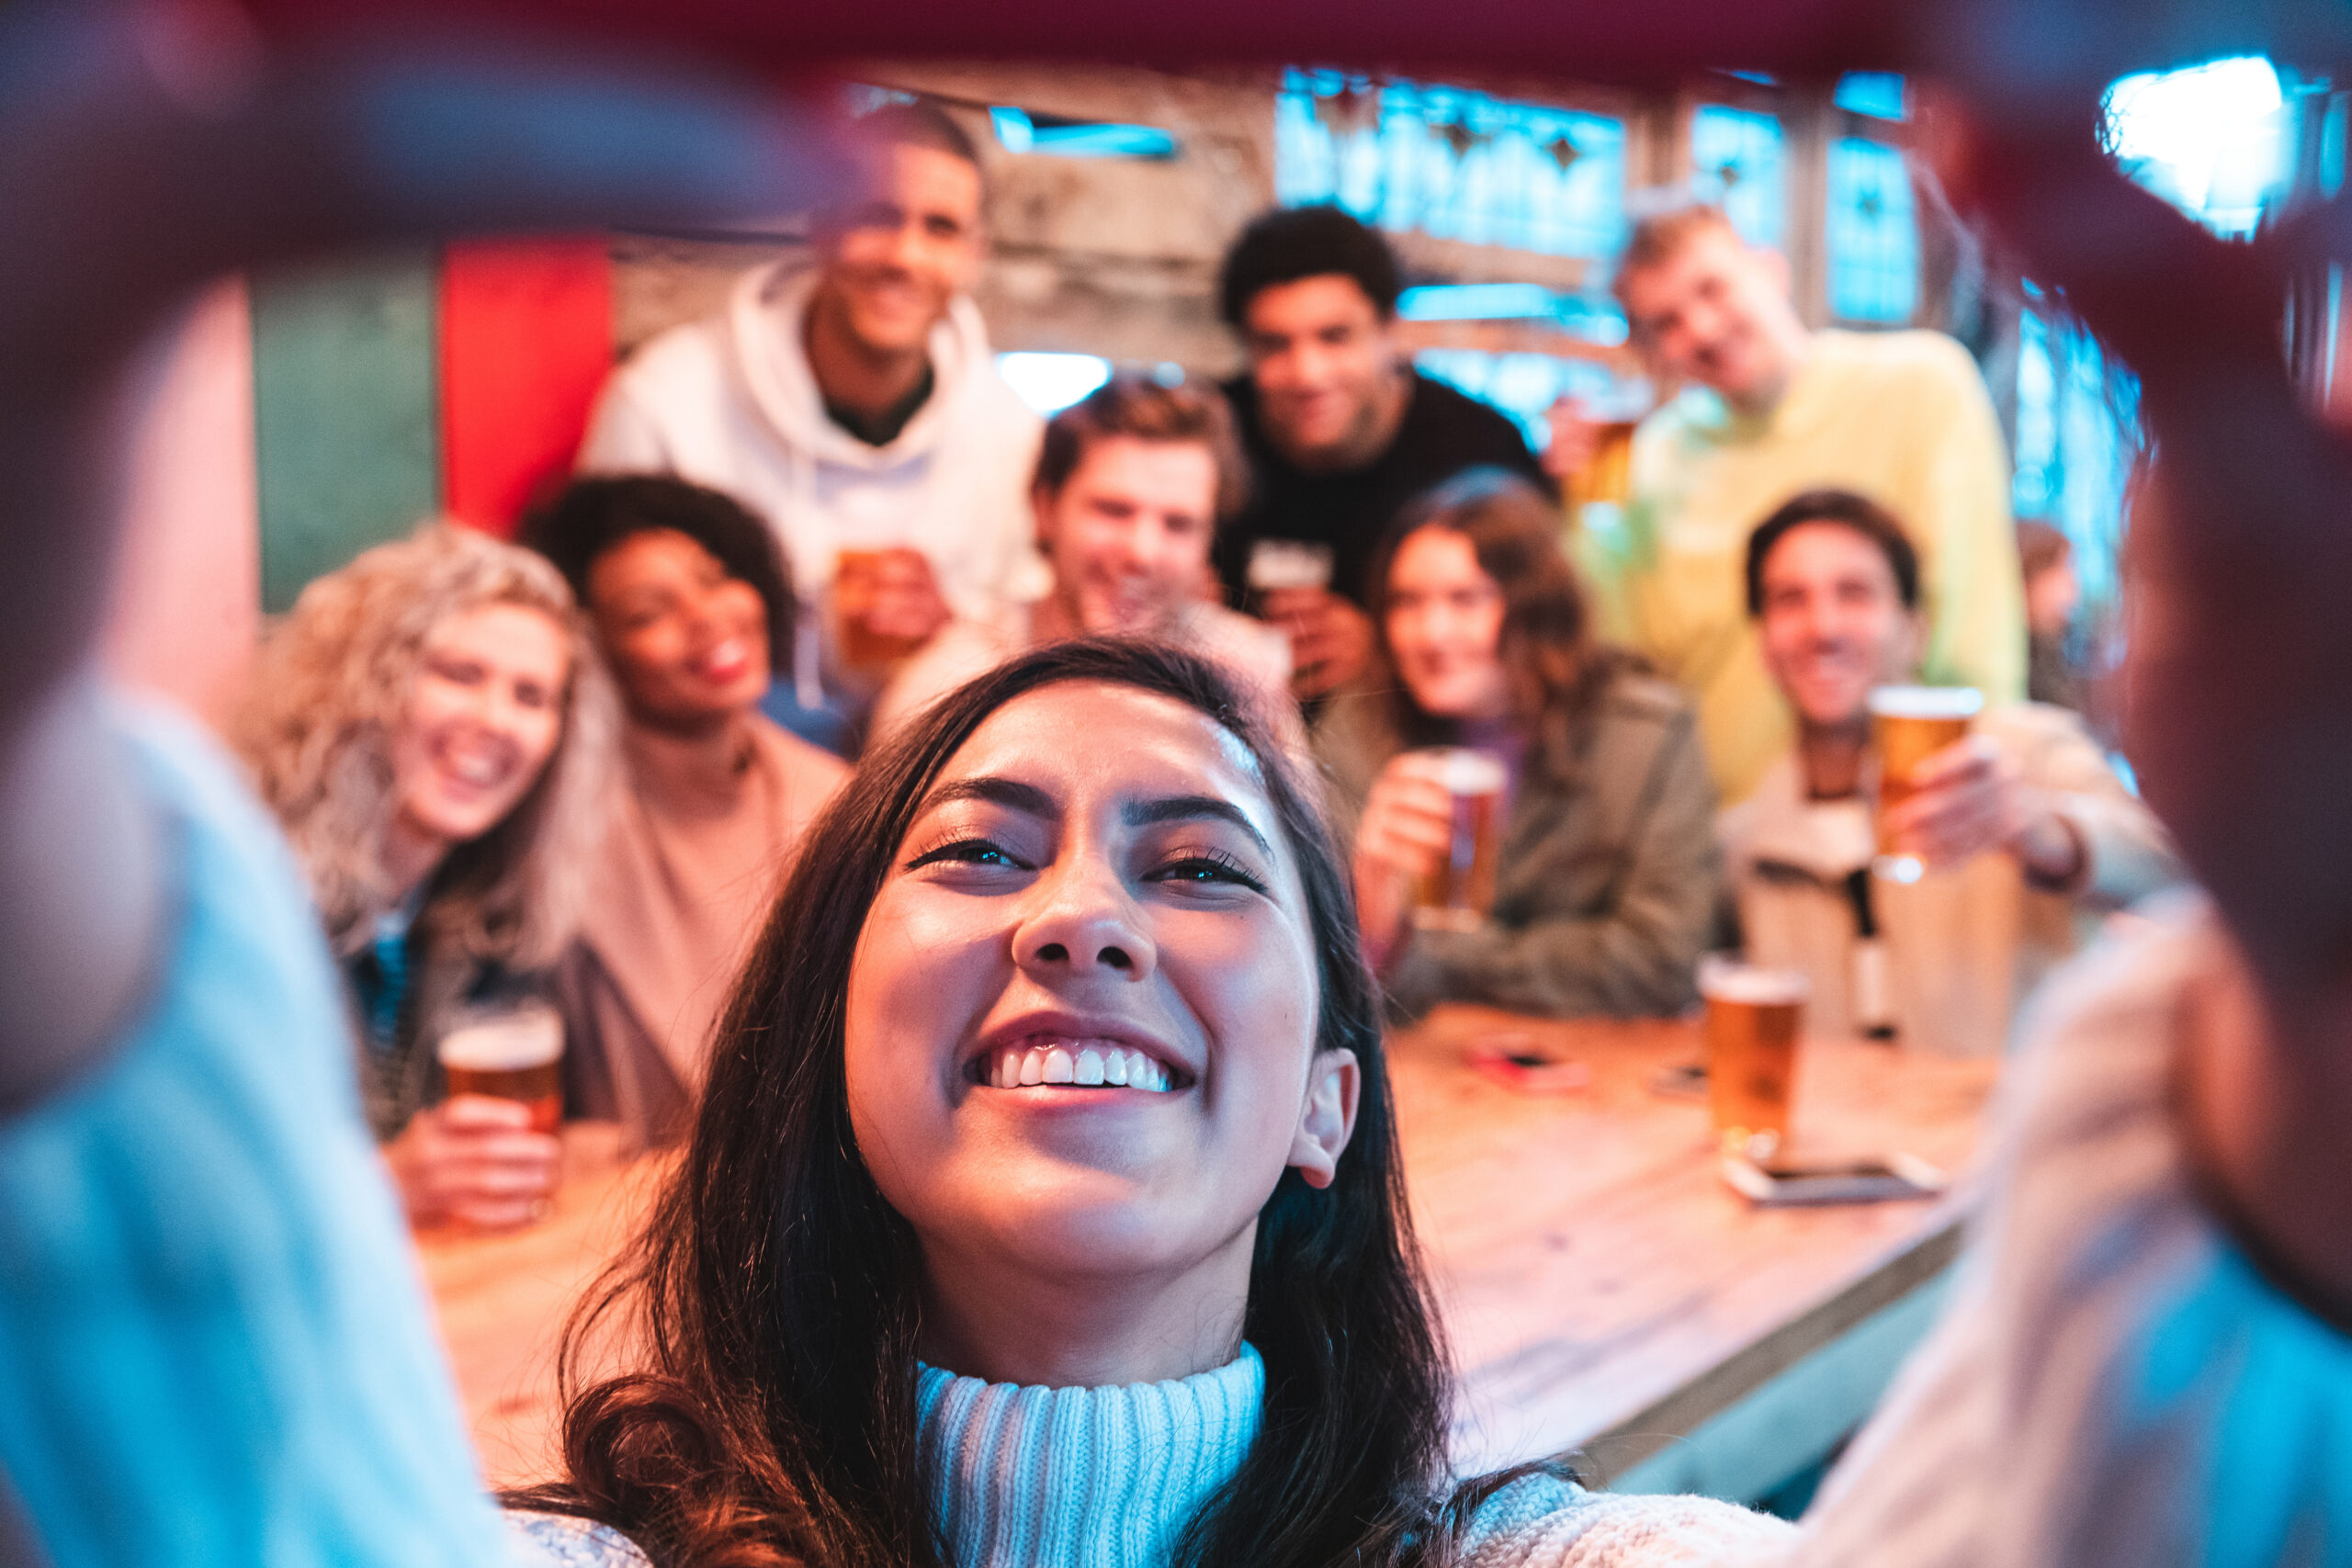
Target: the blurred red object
pixel 1659 40
pixel 1522 1061
pixel 526 337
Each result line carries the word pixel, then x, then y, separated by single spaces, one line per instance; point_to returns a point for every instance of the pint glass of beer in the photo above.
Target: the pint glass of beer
pixel 509 1054
pixel 1753 1016
pixel 1908 725
pixel 1279 565
pixel 1609 476
pixel 1457 894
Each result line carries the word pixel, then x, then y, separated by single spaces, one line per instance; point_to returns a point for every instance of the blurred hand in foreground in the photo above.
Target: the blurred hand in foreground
pixel 151 147
pixel 2238 688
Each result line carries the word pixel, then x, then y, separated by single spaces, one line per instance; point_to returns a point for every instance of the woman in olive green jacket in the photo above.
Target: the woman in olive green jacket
pixel 1605 885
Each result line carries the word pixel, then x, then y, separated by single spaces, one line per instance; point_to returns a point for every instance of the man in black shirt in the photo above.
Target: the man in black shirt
pixel 1340 430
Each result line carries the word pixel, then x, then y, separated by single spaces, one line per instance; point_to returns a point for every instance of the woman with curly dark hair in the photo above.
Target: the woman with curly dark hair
pixel 689 595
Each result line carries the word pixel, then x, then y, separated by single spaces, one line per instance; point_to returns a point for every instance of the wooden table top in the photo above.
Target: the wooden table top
pixel 1601 1285
pixel 503 1298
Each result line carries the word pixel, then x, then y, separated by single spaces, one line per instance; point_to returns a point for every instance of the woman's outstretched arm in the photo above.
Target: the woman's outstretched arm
pixel 152 147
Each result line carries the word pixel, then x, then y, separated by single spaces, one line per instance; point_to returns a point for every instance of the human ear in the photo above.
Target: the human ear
pixel 1328 1117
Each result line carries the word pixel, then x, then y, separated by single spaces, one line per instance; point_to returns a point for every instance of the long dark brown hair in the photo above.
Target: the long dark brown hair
pixel 774 1292
pixel 1555 665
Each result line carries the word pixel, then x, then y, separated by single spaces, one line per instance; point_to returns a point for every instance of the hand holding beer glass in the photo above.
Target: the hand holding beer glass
pixel 1429 844
pixel 1591 452
pixel 487 1157
pixel 886 604
pixel 1910 725
pixel 1289 583
pixel 1947 795
pixel 1755 1016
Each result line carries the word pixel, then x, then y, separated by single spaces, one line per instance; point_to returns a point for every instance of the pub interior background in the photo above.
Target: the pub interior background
pixel 307 416
pixel 371 394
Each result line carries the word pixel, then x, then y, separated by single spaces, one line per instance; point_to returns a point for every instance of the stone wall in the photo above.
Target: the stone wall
pixel 1112 256
pixel 1118 256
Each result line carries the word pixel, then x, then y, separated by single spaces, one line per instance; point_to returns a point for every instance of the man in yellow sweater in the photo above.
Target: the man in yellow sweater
pixel 1767 409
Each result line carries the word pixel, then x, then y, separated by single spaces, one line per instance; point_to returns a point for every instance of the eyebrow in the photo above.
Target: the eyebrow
pixel 1031 801
pixel 1011 794
pixel 1192 808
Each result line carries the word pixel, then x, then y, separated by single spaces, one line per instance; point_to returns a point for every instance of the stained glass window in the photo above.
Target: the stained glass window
pixel 1878 94
pixel 1018 131
pixel 1521 385
pixel 2077 433
pixel 1736 158
pixel 1593 320
pixel 1452 162
pixel 1873 233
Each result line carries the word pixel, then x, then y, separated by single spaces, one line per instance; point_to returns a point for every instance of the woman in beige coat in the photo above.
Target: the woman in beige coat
pixel 1606 873
pixel 687 593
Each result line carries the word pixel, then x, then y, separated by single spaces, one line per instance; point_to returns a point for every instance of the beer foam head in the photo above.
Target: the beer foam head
pixel 1926 702
pixel 1469 773
pixel 1723 979
pixel 529 1037
pixel 1289 563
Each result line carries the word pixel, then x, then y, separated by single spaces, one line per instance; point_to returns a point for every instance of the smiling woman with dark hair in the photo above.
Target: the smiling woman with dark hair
pixel 688 594
pixel 1046 1206
pixel 1605 880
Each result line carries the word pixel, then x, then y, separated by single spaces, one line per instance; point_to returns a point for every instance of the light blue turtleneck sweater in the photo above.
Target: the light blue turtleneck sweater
pixel 1109 1477
pixel 1157 1452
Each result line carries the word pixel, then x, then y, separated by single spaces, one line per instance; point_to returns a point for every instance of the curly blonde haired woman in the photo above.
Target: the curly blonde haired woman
pixel 432 730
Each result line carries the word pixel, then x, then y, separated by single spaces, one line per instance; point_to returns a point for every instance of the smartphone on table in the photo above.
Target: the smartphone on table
pixel 1785 1182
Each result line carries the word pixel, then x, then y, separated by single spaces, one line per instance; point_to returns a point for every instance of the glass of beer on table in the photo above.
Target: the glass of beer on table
pixel 1908 725
pixel 509 1053
pixel 1753 1016
pixel 1457 894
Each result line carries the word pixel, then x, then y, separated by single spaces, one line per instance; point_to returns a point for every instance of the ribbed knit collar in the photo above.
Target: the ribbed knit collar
pixel 1082 1477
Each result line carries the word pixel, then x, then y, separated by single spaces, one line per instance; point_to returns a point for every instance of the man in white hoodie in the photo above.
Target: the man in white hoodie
pixel 856 406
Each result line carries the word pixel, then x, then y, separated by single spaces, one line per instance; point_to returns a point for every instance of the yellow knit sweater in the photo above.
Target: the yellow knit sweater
pixel 1901 417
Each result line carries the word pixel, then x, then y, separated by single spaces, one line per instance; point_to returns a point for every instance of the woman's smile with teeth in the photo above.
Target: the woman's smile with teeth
pixel 1081 1063
pixel 725 662
pixel 477 768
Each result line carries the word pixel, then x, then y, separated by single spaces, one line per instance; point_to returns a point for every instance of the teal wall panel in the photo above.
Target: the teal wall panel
pixel 1794 1421
pixel 345 427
